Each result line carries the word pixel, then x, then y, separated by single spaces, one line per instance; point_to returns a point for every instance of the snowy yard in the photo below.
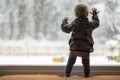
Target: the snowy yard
pixel 42 53
pixel 48 61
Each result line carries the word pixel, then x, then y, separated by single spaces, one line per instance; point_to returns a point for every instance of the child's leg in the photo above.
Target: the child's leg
pixel 86 65
pixel 69 66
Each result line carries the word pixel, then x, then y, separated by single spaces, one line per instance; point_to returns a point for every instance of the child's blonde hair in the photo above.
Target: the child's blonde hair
pixel 81 10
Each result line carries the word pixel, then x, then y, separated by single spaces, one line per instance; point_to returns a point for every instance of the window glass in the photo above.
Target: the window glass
pixel 32 28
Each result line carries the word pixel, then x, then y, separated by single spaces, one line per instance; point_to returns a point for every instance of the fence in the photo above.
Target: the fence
pixel 47 50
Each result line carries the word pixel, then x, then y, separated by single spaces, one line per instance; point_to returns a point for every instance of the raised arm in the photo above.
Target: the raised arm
pixel 65 26
pixel 95 20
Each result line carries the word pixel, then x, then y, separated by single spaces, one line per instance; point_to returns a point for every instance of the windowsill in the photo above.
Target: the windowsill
pixel 44 65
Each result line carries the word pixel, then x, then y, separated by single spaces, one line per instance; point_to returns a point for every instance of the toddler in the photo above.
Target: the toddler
pixel 81 41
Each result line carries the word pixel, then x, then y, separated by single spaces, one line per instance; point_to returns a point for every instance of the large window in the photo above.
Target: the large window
pixel 30 32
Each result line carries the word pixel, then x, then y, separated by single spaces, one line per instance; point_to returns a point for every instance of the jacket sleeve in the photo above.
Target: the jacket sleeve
pixel 95 22
pixel 66 27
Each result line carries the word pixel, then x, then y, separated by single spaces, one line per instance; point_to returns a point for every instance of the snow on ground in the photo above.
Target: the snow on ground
pixel 48 60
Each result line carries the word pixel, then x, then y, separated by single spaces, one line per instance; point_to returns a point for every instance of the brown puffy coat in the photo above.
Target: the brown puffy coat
pixel 81 37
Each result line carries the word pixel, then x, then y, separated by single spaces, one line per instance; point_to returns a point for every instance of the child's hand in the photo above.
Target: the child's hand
pixel 65 19
pixel 94 11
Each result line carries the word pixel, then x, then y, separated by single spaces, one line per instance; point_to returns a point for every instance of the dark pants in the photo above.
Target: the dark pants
pixel 72 59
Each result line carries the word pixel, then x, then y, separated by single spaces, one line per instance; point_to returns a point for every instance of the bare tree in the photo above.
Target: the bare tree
pixel 38 16
pixel 79 0
pixel 111 16
pixel 11 25
pixel 22 19
pixel 4 24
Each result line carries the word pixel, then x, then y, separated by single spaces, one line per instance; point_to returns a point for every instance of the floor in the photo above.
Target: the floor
pixel 56 77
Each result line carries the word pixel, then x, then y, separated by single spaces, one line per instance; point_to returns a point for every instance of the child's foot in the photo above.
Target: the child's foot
pixel 66 76
pixel 86 76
